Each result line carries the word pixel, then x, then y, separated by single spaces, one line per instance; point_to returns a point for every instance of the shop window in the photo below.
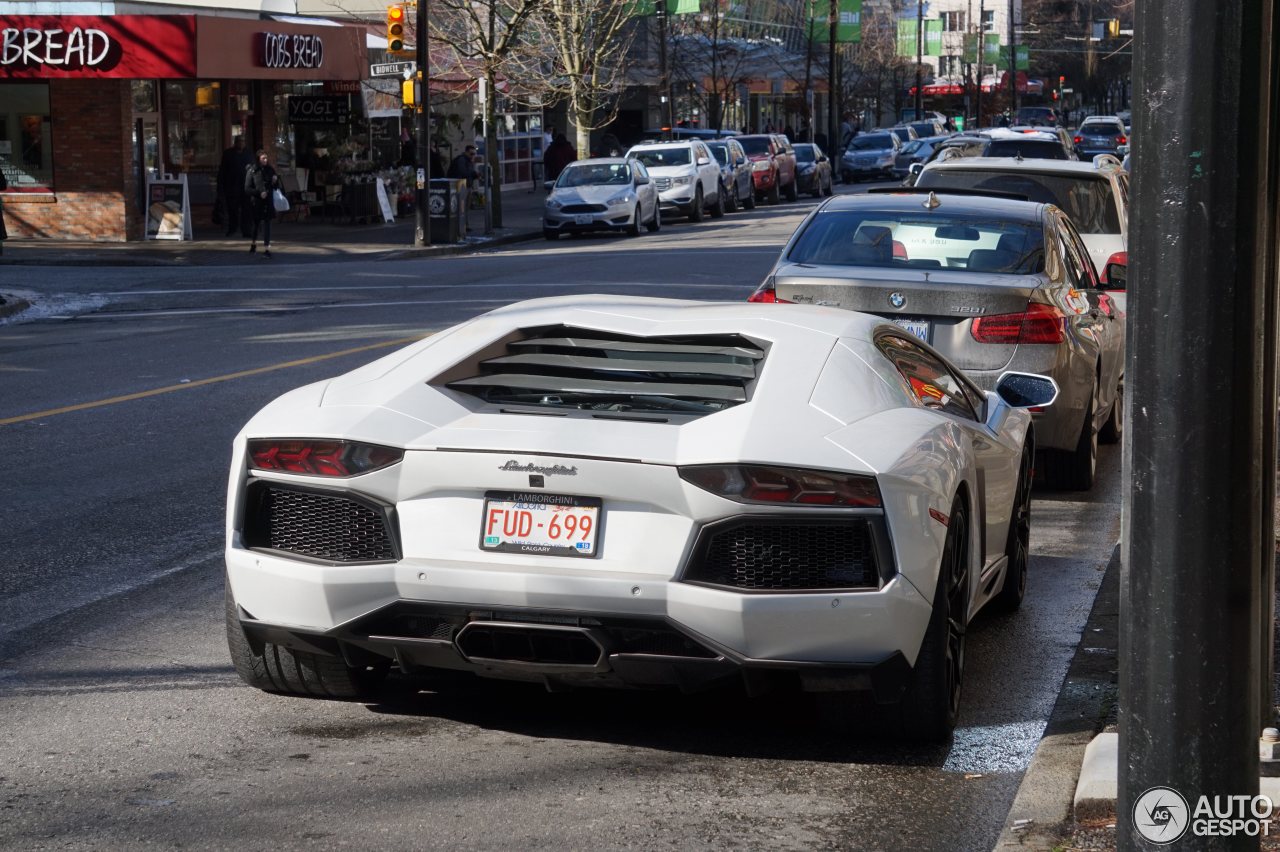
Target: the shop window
pixel 26 143
pixel 193 125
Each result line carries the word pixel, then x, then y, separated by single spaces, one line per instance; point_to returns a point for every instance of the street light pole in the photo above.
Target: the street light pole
pixel 832 77
pixel 660 9
pixel 982 49
pixel 1013 67
pixel 422 126
pixel 919 59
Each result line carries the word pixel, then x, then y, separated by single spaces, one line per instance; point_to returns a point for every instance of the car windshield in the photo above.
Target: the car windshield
pixel 755 146
pixel 911 147
pixel 720 152
pixel 872 142
pixel 804 154
pixel 1087 199
pixel 595 174
pixel 673 156
pixel 909 240
pixel 1028 149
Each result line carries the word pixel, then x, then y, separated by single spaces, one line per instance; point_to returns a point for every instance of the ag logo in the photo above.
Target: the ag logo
pixel 436 204
pixel 1161 815
pixel 897 299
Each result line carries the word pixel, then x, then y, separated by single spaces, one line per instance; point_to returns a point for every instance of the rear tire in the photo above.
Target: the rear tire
pixel 774 197
pixel 931 704
pixel 792 191
pixel 1018 546
pixel 1075 470
pixel 273 668
pixel 1113 430
pixel 695 214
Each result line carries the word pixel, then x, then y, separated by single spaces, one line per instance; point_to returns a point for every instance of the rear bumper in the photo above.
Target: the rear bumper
pixel 701 633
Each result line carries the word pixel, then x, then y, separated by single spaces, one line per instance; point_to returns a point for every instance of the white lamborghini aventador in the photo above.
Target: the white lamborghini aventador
pixel 609 491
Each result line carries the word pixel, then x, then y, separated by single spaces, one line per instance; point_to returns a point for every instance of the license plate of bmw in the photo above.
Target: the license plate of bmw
pixel 920 328
pixel 540 524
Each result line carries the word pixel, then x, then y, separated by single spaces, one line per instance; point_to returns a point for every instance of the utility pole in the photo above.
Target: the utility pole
pixel 660 8
pixel 422 114
pixel 1197 537
pixel 832 20
pixel 1013 67
pixel 919 59
pixel 982 50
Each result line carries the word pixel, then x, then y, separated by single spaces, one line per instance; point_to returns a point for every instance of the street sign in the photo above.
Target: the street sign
pixel 391 69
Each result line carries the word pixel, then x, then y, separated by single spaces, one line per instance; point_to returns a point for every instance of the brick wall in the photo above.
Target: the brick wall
pixel 94 193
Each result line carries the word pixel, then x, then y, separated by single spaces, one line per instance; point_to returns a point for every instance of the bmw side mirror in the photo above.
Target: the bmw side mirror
pixel 1027 390
pixel 1115 277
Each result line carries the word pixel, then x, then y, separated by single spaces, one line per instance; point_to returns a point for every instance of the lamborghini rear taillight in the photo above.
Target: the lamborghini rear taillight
pixel 753 483
pixel 320 457
pixel 1037 324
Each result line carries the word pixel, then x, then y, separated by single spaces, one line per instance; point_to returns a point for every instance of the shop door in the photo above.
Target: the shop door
pixel 146 152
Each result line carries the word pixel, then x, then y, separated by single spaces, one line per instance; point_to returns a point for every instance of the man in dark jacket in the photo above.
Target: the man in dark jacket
pixel 463 167
pixel 558 155
pixel 235 204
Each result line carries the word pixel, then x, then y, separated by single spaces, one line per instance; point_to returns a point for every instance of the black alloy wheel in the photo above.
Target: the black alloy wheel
pixel 1018 546
pixel 731 202
pixel 1075 470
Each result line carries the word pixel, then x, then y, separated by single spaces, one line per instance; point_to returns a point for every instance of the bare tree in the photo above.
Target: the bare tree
pixel 488 33
pixel 580 48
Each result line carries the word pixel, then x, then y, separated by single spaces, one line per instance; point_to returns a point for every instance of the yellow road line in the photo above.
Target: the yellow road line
pixel 302 362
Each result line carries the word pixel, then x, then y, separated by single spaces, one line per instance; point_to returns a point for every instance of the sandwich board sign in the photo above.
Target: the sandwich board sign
pixel 168 208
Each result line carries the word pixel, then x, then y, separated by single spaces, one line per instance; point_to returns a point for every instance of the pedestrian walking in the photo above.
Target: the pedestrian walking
pixel 559 154
pixel 260 183
pixel 463 168
pixel 236 212
pixel 4 233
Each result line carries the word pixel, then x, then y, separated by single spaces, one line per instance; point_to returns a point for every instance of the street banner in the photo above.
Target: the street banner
pixel 906 37
pixel 969 53
pixel 1023 54
pixel 990 48
pixel 848 21
pixel 933 38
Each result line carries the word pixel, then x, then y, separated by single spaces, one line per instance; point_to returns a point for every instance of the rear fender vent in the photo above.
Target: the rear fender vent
pixel 570 368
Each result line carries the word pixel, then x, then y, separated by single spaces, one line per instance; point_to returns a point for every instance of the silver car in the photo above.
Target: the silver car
pixel 870 155
pixel 992 283
pixel 606 194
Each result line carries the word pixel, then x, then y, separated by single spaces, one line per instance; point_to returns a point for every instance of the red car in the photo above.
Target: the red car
pixel 773 165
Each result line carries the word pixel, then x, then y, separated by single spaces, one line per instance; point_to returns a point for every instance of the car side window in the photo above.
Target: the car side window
pixel 932 384
pixel 1074 247
pixel 1074 269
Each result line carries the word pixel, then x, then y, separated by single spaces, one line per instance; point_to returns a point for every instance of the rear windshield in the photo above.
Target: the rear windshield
pixel 872 142
pixel 926 240
pixel 755 146
pixel 673 156
pixel 720 152
pixel 1087 199
pixel 1028 149
pixel 804 154
pixel 1037 113
pixel 1102 127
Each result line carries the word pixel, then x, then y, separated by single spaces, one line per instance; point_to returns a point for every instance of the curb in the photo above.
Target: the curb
pixel 127 258
pixel 1042 808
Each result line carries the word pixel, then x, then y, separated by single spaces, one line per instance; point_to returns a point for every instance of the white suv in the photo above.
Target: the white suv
pixel 686 176
pixel 1094 194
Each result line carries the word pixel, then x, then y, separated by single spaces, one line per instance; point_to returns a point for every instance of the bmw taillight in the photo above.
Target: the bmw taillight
pixel 1037 324
pixel 320 457
pixel 753 483
pixel 767 294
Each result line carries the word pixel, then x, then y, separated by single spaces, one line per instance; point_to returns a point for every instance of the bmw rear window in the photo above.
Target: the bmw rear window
pixel 924 240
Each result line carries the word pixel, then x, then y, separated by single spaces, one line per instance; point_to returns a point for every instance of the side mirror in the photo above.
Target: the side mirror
pixel 642 180
pixel 1027 390
pixel 548 185
pixel 916 168
pixel 702 161
pixel 1115 277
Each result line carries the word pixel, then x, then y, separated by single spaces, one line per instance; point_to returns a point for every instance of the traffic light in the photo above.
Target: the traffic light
pixel 1061 81
pixel 408 93
pixel 395 28
pixel 1113 28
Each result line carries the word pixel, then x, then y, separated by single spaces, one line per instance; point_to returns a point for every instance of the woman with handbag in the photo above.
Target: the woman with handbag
pixel 262 185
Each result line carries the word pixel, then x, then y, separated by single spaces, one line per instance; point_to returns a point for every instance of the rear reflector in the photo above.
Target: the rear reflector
pixel 320 457
pixel 1037 324
pixel 751 483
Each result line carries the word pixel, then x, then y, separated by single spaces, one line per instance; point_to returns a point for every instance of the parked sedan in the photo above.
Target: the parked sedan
pixel 606 194
pixel 605 491
pixel 994 284
pixel 813 170
pixel 870 155
pixel 735 174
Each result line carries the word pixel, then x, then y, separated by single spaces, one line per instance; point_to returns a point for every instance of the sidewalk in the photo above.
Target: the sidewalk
pixel 307 241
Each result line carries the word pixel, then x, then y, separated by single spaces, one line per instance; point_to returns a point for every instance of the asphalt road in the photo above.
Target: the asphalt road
pixel 125 726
